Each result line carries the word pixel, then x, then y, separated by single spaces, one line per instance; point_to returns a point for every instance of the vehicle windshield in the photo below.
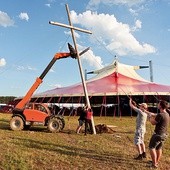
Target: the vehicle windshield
pixel 40 108
pixel 36 106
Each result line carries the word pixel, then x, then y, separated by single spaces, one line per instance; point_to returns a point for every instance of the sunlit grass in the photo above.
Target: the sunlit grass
pixel 38 149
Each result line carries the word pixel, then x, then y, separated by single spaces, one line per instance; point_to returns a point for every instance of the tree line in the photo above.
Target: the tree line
pixel 6 99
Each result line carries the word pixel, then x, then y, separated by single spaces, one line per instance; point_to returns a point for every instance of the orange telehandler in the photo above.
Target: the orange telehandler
pixel 27 114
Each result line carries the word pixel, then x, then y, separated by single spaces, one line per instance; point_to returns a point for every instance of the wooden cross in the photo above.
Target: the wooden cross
pixel 72 28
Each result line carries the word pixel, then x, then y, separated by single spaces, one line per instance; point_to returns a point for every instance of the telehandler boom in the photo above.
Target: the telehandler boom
pixel 26 114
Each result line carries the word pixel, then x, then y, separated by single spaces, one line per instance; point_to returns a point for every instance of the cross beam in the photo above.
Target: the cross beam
pixel 69 26
pixel 72 28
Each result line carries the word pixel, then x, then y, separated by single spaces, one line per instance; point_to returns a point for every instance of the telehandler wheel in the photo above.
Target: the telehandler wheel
pixel 54 125
pixel 16 123
pixel 62 122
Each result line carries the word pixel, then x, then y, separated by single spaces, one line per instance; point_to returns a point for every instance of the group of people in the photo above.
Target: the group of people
pixel 161 122
pixel 85 118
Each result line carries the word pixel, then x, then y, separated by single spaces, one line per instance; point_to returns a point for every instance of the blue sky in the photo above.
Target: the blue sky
pixel 136 31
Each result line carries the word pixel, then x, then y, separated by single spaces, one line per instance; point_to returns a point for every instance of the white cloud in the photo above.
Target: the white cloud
pixel 91 59
pixel 2 62
pixel 54 85
pixel 20 68
pixel 133 12
pixel 116 35
pixel 138 25
pixel 93 4
pixel 24 16
pixel 30 68
pixel 51 1
pixel 15 87
pixel 5 20
pixel 137 9
pixel 51 70
pixel 128 2
pixel 48 5
pixel 58 85
pixel 75 33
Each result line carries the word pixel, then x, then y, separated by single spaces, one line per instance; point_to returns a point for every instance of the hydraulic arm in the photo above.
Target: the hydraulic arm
pixel 39 80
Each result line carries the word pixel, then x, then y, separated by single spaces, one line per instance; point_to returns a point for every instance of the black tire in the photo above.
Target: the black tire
pixel 62 122
pixel 16 123
pixel 54 125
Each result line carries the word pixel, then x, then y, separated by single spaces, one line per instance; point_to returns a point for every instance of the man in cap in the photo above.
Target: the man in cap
pixel 140 128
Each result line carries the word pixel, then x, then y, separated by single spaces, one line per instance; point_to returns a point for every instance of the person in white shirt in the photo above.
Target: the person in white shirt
pixel 140 128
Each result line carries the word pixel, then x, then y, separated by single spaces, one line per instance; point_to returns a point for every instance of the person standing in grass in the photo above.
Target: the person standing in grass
pixel 140 128
pixel 81 119
pixel 88 121
pixel 161 122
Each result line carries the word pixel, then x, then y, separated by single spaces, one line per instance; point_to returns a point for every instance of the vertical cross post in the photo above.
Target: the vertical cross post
pixel 78 57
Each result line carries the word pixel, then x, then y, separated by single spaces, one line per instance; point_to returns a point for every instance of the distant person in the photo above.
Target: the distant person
pixel 82 118
pixel 140 128
pixel 88 121
pixel 161 122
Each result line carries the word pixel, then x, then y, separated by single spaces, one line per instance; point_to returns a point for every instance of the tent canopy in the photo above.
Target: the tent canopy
pixel 114 79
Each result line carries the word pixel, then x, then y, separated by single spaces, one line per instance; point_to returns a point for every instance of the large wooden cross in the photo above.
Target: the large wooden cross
pixel 72 28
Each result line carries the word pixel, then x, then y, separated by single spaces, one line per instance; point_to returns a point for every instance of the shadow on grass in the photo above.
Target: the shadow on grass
pixel 74 151
pixel 126 132
pixel 4 124
pixel 7 127
pixel 4 121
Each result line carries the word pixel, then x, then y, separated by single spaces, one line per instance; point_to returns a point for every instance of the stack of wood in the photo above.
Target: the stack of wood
pixel 103 128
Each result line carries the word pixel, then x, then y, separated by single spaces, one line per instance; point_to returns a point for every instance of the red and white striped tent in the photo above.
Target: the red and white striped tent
pixel 112 80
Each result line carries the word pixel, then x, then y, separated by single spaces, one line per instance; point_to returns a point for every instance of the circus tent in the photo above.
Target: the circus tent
pixel 112 80
pixel 109 91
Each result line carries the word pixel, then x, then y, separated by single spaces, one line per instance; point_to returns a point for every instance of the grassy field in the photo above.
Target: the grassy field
pixel 38 149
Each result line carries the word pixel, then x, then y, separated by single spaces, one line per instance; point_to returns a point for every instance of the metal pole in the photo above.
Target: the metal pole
pixel 85 75
pixel 80 67
pixel 151 71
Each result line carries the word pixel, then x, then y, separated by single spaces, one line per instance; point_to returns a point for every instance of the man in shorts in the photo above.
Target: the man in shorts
pixel 161 122
pixel 140 129
pixel 81 119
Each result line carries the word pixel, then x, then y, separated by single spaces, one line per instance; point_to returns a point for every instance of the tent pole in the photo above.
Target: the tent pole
pixel 105 105
pixel 151 70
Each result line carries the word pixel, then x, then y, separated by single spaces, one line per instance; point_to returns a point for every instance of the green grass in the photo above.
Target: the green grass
pixel 38 149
